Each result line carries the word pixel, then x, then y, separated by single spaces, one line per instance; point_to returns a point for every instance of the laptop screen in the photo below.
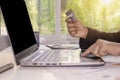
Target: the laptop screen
pixel 18 24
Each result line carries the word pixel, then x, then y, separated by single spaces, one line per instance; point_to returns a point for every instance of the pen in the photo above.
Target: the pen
pixel 6 67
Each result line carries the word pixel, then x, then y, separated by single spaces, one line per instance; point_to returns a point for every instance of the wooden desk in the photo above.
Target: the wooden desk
pixel 108 72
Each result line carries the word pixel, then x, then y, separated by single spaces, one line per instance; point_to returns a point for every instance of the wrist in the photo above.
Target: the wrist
pixel 86 32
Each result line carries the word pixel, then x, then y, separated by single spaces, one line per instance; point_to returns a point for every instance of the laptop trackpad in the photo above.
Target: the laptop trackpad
pixel 89 55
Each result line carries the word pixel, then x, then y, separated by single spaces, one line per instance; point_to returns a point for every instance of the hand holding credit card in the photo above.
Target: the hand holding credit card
pixel 71 15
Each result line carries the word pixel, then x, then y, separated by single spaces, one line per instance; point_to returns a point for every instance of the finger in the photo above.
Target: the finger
pixel 88 51
pixel 76 24
pixel 68 20
pixel 96 48
pixel 93 49
pixel 103 50
pixel 70 25
pixel 73 33
pixel 103 53
pixel 71 29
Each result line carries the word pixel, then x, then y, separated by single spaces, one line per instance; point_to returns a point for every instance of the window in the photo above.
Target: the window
pixel 2 25
pixel 0 21
pixel 45 16
pixel 48 17
pixel 103 15
pixel 42 14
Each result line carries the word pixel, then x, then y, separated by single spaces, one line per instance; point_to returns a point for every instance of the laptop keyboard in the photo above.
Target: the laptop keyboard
pixel 40 54
pixel 49 55
pixel 54 56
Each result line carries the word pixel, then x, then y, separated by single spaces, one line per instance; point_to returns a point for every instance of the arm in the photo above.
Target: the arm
pixel 87 35
pixel 93 35
pixel 102 48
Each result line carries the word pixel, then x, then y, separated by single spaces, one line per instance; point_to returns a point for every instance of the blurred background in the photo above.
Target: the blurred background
pixel 48 16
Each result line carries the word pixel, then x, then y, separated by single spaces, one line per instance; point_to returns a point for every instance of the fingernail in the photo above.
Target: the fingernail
pixel 82 54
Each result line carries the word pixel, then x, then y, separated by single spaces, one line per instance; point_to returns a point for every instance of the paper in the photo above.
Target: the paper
pixel 74 73
pixel 111 58
pixel 107 72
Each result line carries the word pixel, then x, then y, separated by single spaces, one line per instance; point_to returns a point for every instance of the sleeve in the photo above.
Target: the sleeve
pixel 93 35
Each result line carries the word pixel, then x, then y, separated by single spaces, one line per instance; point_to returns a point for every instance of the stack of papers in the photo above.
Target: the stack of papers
pixel 111 58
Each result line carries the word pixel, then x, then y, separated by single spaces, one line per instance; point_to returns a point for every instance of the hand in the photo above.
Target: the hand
pixel 103 47
pixel 117 79
pixel 76 29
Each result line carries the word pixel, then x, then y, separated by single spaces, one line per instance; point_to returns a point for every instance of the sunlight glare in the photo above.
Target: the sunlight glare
pixel 106 2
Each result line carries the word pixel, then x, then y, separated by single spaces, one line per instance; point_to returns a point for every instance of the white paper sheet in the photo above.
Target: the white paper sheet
pixel 108 72
pixel 110 58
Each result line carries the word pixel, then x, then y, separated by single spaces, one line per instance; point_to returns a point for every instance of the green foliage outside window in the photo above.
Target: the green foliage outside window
pixel 42 15
pixel 33 12
pixel 1 20
pixel 103 15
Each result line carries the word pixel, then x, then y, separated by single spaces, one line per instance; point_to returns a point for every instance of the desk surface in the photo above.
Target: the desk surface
pixel 110 71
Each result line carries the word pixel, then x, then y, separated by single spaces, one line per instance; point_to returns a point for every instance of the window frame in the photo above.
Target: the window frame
pixel 0 20
pixel 58 37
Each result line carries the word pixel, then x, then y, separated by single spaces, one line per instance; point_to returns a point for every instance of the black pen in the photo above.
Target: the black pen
pixel 6 67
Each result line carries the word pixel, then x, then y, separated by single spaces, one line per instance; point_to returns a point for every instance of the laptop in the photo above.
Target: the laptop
pixel 25 48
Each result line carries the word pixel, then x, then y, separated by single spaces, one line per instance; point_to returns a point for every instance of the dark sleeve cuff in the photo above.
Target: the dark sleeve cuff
pixel 93 35
pixel 91 38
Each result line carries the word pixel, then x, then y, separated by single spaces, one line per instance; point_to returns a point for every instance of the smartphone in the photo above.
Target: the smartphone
pixel 71 15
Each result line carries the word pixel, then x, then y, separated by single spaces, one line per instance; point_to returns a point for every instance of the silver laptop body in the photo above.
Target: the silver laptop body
pixel 59 58
pixel 26 50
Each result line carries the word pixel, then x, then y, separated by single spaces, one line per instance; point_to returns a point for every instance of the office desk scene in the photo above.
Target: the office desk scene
pixel 110 71
pixel 33 26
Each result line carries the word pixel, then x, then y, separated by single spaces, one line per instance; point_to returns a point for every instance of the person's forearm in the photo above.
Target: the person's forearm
pixel 93 35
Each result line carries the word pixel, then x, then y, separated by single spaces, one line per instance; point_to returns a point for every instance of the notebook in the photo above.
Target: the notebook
pixel 24 44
